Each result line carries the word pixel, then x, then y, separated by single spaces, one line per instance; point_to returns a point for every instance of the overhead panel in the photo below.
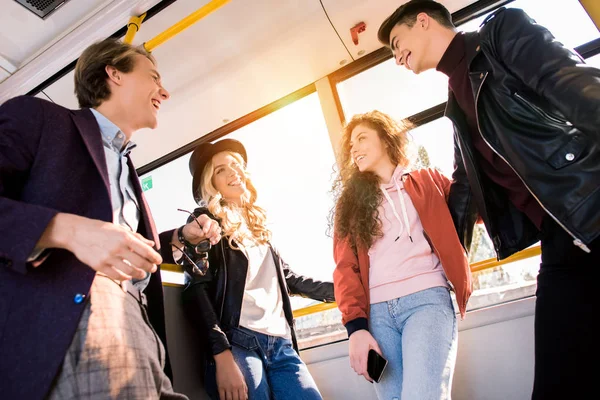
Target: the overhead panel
pixel 348 14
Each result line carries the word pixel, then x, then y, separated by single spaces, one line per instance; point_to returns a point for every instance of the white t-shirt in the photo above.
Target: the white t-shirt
pixel 262 306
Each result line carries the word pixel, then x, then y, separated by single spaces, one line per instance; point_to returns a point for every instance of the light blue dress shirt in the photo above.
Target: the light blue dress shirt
pixel 125 205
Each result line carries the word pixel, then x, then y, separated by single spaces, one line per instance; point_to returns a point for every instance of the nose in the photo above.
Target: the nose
pixel 399 59
pixel 231 172
pixel 164 93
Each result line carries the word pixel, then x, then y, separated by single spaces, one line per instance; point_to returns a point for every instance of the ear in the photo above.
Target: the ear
pixel 114 75
pixel 423 20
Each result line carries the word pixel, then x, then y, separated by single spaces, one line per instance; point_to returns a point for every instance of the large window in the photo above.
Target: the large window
pixel 290 159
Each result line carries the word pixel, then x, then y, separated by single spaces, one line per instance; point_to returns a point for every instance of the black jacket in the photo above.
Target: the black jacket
pixel 538 108
pixel 213 302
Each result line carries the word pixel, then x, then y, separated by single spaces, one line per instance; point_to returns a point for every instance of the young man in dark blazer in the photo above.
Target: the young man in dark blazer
pixel 81 307
pixel 526 113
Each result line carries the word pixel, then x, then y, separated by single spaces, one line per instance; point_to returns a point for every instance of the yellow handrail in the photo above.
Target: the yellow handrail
pixel 592 7
pixel 493 263
pixel 475 267
pixel 184 24
pixel 133 26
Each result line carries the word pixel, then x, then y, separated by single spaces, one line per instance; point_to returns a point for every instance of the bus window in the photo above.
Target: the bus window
pixel 595 61
pixel 571 25
pixel 291 161
pixel 392 90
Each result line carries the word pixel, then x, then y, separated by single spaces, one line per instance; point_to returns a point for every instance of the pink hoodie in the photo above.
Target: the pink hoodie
pixel 402 261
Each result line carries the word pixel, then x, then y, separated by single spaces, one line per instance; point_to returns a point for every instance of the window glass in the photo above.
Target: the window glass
pixel 594 61
pixel 393 90
pixel 291 160
pixel 566 20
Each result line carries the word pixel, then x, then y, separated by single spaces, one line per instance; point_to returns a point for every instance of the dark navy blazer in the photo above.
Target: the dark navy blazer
pixel 51 160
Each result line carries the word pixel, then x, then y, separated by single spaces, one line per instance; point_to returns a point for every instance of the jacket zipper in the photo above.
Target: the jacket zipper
pixel 577 242
pixel 224 282
pixel 541 112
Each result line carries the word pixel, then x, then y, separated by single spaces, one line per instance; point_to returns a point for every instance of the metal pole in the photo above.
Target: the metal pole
pixel 183 24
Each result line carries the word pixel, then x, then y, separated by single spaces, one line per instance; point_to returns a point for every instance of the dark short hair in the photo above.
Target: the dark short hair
pixel 91 86
pixel 407 13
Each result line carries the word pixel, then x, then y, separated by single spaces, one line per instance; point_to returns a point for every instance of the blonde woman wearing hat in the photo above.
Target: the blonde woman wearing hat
pixel 240 303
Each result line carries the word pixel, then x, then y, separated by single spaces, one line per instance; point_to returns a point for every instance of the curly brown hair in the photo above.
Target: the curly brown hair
pixel 355 215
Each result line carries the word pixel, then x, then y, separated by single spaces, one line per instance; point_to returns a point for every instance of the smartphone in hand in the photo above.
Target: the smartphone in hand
pixel 375 365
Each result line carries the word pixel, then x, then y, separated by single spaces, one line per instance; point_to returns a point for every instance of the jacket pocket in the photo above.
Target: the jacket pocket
pixel 241 339
pixel 568 153
pixel 545 116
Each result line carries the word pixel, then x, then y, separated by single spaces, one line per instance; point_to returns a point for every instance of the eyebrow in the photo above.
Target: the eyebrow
pixel 392 45
pixel 156 72
pixel 358 136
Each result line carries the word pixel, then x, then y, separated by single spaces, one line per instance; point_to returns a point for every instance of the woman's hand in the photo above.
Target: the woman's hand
pixel 230 380
pixel 210 230
pixel 360 343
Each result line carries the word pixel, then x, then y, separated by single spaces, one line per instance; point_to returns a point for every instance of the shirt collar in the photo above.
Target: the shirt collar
pixel 112 135
pixel 453 55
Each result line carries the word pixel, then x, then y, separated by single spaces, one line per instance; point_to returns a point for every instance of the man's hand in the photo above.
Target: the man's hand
pixel 103 246
pixel 360 343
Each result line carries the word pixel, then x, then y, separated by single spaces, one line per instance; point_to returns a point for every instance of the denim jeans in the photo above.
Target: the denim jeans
pixel 271 366
pixel 418 335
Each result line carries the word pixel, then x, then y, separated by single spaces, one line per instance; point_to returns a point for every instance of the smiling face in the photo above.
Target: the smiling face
pixel 367 149
pixel 140 93
pixel 411 45
pixel 228 176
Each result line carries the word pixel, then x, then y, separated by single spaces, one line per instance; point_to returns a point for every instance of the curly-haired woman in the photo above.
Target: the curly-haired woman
pixel 397 258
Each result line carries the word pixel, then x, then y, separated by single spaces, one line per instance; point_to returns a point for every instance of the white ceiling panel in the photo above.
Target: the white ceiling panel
pixel 65 47
pixel 63 91
pixel 22 33
pixel 236 60
pixel 347 13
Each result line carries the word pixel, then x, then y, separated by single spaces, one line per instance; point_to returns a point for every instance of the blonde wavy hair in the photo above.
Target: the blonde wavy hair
pixel 238 223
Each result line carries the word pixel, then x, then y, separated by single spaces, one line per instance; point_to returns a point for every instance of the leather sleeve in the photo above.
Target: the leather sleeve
pixel 550 69
pixel 307 287
pixel 460 201
pixel 197 301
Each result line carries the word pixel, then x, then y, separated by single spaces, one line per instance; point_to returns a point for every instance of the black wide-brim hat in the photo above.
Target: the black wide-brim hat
pixel 204 153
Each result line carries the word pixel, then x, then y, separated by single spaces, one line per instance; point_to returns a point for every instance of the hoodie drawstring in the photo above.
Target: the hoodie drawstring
pixel 404 213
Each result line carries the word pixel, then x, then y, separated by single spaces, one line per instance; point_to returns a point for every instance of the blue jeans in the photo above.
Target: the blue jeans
pixel 271 366
pixel 417 334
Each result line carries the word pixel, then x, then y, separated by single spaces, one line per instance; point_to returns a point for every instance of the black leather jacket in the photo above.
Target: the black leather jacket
pixel 213 302
pixel 538 108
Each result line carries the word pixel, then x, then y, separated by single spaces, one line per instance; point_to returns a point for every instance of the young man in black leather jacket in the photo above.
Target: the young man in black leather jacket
pixel 526 113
